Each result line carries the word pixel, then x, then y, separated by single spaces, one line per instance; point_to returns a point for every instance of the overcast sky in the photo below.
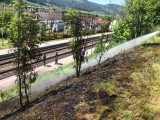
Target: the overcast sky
pixel 104 2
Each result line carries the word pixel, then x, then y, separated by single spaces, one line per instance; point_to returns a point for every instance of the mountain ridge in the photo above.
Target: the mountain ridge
pixel 83 5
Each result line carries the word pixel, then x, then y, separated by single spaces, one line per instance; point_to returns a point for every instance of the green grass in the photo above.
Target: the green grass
pixel 66 69
pixel 49 76
pixel 45 77
pixel 6 45
pixel 138 96
pixel 4 96
pixel 108 87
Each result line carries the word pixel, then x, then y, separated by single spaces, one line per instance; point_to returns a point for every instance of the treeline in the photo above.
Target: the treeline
pixel 140 17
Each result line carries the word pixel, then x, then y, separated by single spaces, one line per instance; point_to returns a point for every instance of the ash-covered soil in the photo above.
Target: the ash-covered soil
pixel 97 94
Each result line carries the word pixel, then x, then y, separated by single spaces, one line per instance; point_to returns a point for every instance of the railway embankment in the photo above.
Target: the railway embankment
pixel 123 87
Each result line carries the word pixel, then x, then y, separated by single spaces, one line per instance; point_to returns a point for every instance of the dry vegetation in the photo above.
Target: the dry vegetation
pixel 126 87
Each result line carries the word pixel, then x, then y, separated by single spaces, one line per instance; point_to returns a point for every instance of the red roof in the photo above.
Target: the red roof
pixel 100 21
pixel 94 20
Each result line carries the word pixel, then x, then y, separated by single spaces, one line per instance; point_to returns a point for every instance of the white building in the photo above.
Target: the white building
pixel 113 24
pixel 58 26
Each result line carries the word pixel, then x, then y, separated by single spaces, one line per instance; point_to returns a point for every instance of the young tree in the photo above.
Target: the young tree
pixel 23 36
pixel 100 49
pixel 77 45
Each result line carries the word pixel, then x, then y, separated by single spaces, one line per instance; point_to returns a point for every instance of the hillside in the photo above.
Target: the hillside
pixel 83 5
pixel 125 87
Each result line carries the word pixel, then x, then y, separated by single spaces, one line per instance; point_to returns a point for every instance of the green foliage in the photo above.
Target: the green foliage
pixel 42 33
pixel 18 4
pixel 5 18
pixel 100 49
pixel 5 96
pixel 72 44
pixel 107 17
pixel 105 27
pixel 5 44
pixel 23 32
pixel 77 45
pixel 121 34
pixel 140 17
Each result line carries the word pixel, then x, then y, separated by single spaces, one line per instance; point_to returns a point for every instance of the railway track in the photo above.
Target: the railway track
pixel 7 61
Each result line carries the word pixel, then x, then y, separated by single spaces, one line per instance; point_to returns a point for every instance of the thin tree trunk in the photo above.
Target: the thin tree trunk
pixel 26 89
pixel 100 57
pixel 20 91
pixel 77 67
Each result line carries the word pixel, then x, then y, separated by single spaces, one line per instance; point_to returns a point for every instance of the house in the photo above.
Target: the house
pixel 88 22
pixel 48 14
pixel 58 26
pixel 99 23
pixel 93 23
pixel 43 13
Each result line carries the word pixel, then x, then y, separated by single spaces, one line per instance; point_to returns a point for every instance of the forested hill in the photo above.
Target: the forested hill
pixel 84 5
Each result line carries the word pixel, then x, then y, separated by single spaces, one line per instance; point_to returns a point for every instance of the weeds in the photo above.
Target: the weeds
pixel 136 87
pixel 108 87
pixel 8 94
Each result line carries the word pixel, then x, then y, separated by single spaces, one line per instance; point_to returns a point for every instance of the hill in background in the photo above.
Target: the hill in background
pixel 83 5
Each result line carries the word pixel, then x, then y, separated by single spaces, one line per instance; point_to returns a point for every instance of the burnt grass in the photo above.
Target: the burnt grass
pixel 58 102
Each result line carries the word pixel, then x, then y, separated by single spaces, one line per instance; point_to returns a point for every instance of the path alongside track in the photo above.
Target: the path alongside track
pixel 7 83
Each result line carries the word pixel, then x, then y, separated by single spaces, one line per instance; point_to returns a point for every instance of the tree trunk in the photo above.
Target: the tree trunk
pixel 100 57
pixel 25 90
pixel 77 66
pixel 20 91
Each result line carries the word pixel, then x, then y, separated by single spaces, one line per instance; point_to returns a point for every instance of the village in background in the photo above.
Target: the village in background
pixel 53 20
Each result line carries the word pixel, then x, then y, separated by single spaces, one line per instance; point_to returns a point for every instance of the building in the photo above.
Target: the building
pixel 44 13
pixel 99 23
pixel 93 23
pixel 49 14
pixel 58 26
pixel 87 22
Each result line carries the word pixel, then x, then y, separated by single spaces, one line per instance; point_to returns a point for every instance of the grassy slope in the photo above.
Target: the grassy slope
pixel 5 46
pixel 125 87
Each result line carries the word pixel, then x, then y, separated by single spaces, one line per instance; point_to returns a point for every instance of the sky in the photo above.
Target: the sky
pixel 104 2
